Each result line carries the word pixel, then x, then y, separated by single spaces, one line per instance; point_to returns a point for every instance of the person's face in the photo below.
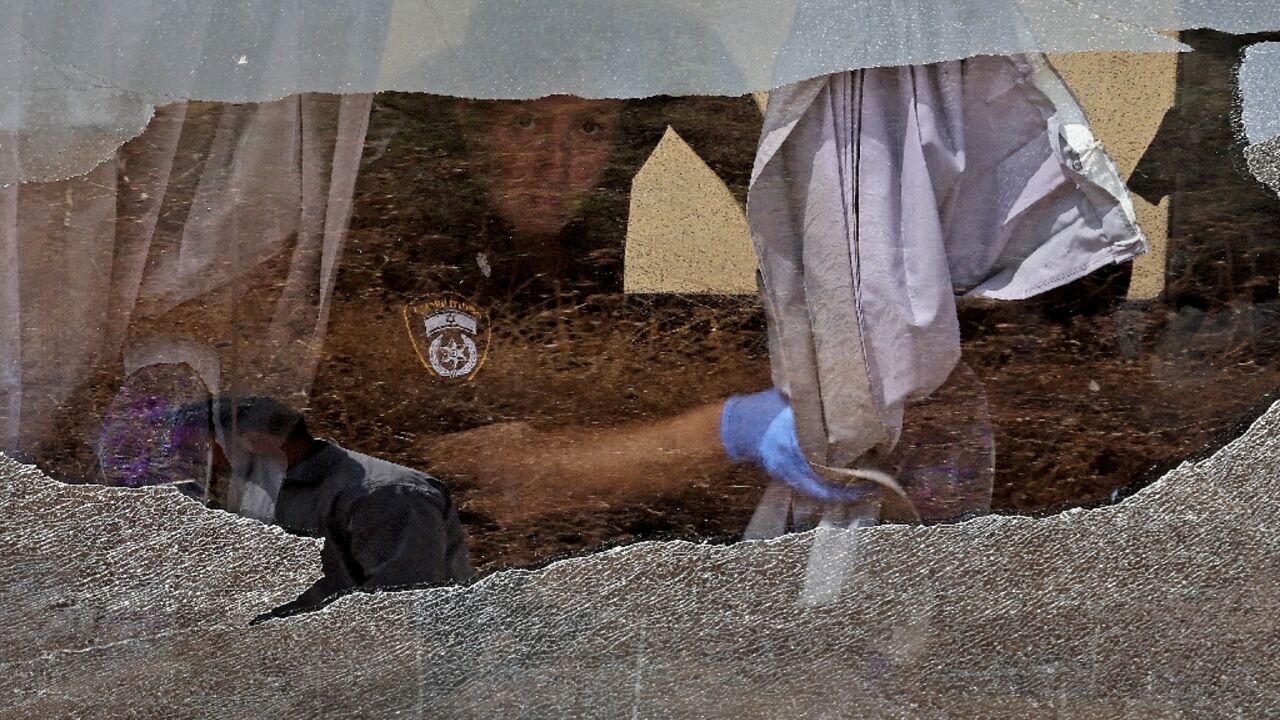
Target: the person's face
pixel 197 450
pixel 539 160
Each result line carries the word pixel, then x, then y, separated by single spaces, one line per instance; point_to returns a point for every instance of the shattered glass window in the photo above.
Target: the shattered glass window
pixel 639 359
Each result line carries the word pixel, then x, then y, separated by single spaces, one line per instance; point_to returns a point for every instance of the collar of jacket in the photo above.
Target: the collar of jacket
pixel 317 466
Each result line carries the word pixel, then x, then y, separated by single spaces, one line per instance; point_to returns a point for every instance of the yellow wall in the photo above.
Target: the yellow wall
pixel 1125 96
pixel 685 231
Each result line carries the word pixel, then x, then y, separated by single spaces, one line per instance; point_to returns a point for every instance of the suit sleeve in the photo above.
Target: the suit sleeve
pixel 324 591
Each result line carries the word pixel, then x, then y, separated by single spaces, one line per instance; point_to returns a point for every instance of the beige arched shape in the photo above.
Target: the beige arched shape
pixel 686 233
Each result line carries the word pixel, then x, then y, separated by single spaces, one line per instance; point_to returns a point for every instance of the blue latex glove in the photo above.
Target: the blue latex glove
pixel 761 429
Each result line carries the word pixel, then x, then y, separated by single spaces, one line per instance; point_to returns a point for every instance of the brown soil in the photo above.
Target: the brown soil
pixel 1089 397
pixel 1075 421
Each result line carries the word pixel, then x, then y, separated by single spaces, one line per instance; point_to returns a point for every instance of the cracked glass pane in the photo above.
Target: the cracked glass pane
pixel 1160 606
pixel 1260 106
pixel 522 359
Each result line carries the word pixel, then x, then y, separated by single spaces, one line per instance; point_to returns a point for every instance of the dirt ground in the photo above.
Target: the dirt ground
pixel 1089 396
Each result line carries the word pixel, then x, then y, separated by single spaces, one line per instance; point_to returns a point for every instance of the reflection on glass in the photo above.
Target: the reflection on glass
pixel 540 160
pixel 245 291
pixel 471 323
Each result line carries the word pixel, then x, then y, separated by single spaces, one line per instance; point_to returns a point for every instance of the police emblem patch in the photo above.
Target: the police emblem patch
pixel 449 336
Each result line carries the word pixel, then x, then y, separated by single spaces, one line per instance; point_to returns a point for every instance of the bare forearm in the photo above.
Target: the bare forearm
pixel 651 458
pixel 632 462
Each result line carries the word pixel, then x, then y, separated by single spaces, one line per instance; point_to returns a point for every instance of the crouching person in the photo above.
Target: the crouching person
pixel 384 526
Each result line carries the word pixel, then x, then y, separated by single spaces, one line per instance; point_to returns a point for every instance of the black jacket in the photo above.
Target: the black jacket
pixel 384 526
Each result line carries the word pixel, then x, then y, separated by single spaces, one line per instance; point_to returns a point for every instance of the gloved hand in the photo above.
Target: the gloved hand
pixel 761 429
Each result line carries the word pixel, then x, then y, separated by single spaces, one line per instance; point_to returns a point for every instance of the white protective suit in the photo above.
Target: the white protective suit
pixel 879 194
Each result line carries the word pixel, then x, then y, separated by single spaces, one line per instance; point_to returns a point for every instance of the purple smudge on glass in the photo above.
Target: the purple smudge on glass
pixel 141 434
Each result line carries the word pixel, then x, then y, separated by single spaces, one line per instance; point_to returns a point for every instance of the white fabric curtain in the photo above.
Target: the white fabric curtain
pixel 218 229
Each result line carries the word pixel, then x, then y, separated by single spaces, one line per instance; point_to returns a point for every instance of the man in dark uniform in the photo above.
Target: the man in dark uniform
pixel 384 526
